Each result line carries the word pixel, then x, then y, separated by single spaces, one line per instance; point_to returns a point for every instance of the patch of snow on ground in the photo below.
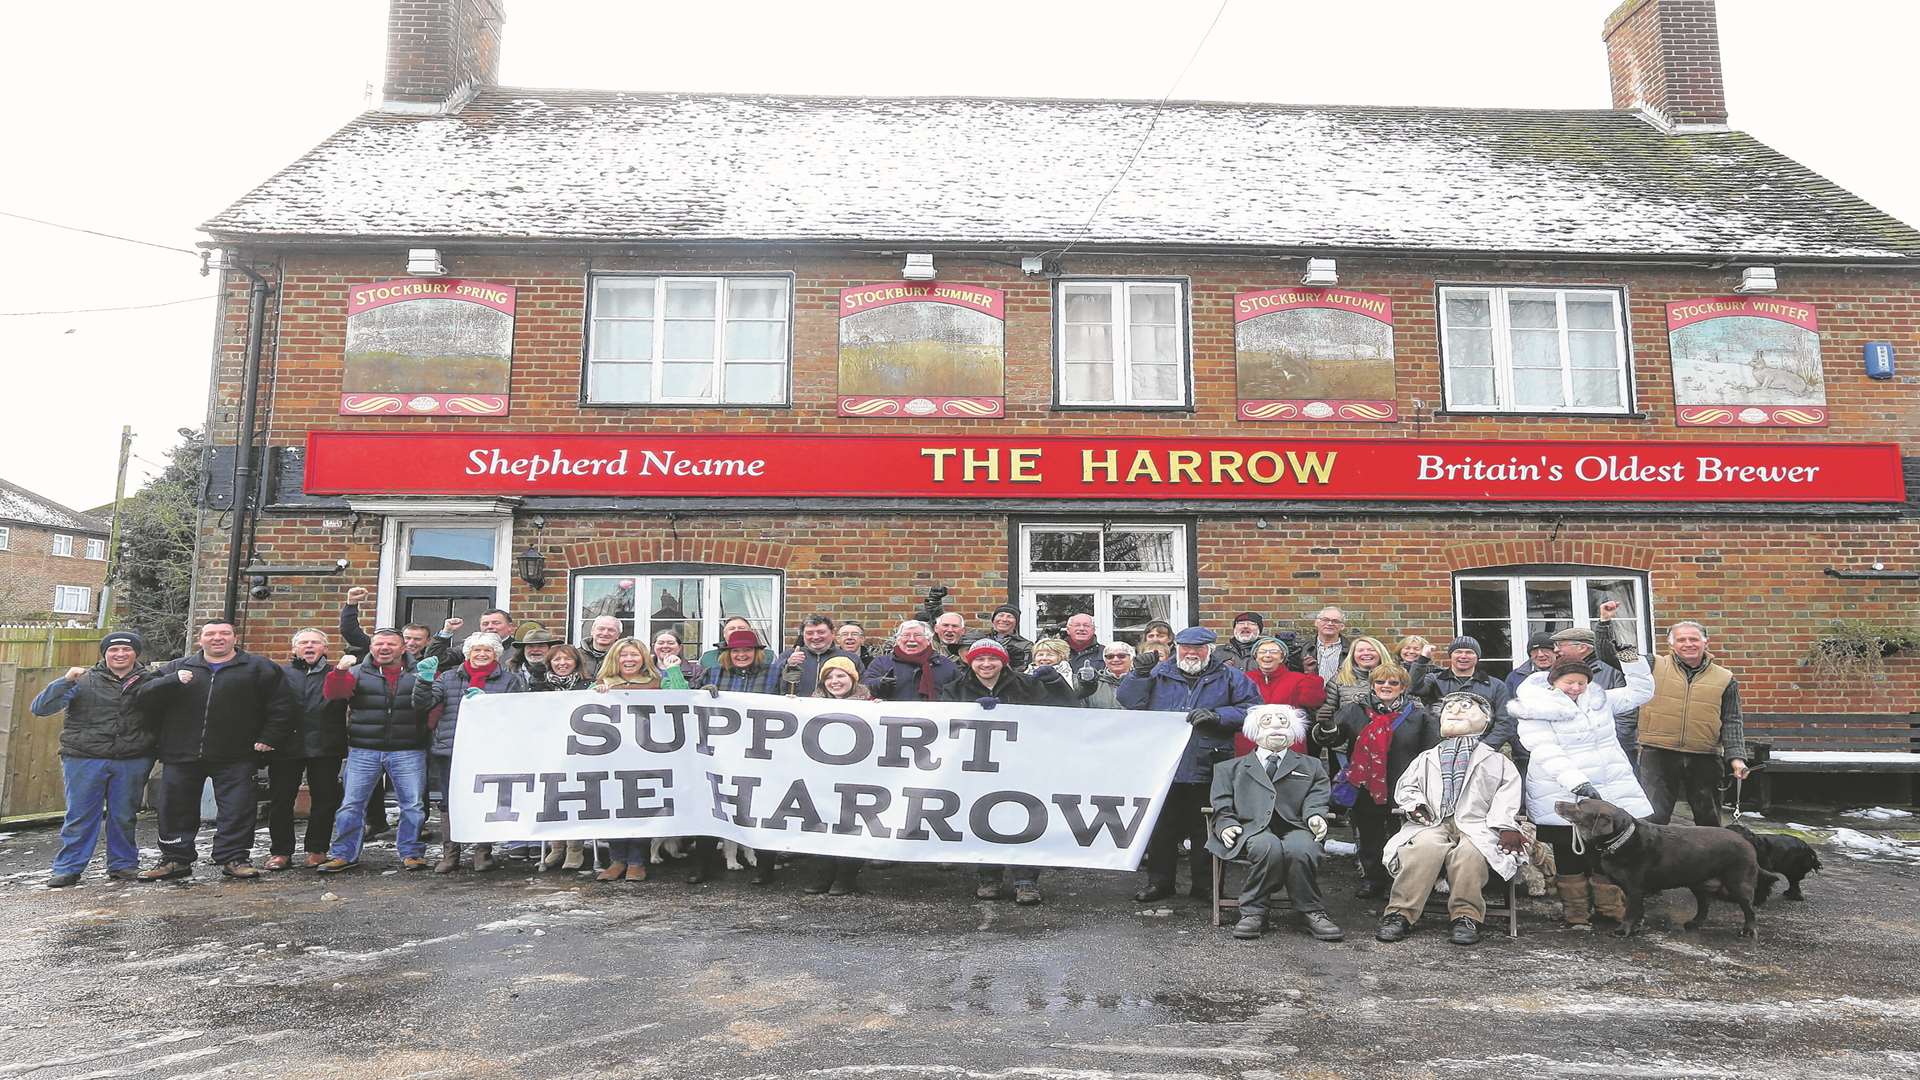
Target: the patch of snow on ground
pixel 1876 813
pixel 1859 845
pixel 1341 847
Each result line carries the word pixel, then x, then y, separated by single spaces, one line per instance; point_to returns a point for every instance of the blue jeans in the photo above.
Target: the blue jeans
pixel 97 788
pixel 406 773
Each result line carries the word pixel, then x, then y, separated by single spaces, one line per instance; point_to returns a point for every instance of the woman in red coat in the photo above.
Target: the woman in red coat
pixel 1280 685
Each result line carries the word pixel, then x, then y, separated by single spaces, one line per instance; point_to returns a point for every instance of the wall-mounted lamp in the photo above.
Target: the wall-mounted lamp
pixel 1320 272
pixel 533 568
pixel 425 262
pixel 1033 265
pixel 1757 279
pixel 919 268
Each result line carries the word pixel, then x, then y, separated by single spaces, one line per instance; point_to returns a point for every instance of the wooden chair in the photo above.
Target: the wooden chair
pixel 1279 902
pixel 1498 900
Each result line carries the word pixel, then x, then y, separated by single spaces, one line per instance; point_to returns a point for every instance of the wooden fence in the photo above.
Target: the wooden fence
pixel 30 780
pixel 50 646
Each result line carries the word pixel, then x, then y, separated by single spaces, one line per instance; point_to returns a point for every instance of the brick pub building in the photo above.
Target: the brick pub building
pixel 685 348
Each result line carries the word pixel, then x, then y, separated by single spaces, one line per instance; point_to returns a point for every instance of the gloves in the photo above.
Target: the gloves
pixel 1324 735
pixel 712 690
pixel 1047 675
pixel 883 686
pixel 427 668
pixel 1230 834
pixel 1203 716
pixel 1086 673
pixel 1143 662
pixel 987 703
pixel 1586 791
pixel 1512 840
pixel 1317 826
pixel 472 692
pixel 936 594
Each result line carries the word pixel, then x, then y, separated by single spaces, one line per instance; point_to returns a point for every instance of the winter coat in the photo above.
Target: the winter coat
pixel 1166 688
pixel 380 715
pixel 1012 688
pixel 1574 743
pixel 725 676
pixel 1417 733
pixel 1489 802
pixel 1095 653
pixel 320 725
pixel 1019 649
pixel 102 719
pixel 1441 681
pixel 219 715
pixel 547 682
pixel 1340 695
pixel 1236 654
pixel 1105 690
pixel 905 677
pixel 1519 675
pixel 449 689
pixel 776 682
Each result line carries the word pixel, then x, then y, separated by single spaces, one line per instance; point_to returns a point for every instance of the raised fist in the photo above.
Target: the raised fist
pixel 345 663
pixel 73 674
pixel 357 595
pixel 184 676
pixel 1608 609
pixel 668 663
pixel 452 626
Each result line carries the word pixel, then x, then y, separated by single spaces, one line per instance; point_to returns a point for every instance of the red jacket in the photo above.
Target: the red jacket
pixel 1283 687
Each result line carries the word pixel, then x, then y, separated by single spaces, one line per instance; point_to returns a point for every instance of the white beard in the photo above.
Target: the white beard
pixel 1192 667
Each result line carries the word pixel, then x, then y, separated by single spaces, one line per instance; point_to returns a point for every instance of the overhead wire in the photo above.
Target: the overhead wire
pixel 1153 121
pixel 124 307
pixel 97 232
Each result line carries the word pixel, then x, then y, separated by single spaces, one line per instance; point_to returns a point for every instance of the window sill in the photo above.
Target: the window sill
pixel 682 405
pixel 1480 414
pixel 1060 407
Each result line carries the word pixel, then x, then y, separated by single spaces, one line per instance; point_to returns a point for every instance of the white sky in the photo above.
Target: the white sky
pixel 182 107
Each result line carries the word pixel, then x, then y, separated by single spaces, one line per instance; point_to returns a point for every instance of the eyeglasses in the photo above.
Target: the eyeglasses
pixel 1386 682
pixel 1117 656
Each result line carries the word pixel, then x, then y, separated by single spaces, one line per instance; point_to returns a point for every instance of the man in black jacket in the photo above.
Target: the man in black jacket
pixel 106 752
pixel 313 751
pixel 386 736
pixel 1462 674
pixel 217 709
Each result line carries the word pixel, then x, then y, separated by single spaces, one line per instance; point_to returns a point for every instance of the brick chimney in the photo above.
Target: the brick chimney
pixel 1663 57
pixel 440 51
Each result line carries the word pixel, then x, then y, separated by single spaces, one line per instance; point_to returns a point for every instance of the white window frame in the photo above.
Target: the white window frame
pixel 93 546
pixel 710 573
pixel 1122 291
pixel 6 538
pixel 62 592
pixel 719 361
pixel 1579 577
pixel 1502 340
pixel 1103 584
pixel 62 545
pixel 398 513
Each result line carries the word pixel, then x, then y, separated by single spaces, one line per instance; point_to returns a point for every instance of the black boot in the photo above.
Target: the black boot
pixel 846 878
pixel 762 869
pixel 820 880
pixel 706 853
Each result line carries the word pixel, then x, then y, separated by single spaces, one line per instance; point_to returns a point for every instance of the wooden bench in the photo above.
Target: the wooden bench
pixel 1836 762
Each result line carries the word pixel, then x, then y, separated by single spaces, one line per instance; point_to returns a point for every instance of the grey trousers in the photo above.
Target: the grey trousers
pixel 1291 859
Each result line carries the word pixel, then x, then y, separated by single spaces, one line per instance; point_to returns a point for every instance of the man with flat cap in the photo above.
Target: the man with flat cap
pixel 1215 699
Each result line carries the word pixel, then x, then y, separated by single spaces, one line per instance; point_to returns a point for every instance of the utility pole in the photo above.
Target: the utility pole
pixel 113 529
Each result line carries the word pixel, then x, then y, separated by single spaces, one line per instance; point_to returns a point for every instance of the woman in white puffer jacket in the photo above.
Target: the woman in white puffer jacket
pixel 1566 724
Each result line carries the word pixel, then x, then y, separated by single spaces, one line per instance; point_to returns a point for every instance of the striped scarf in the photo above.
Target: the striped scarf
pixel 1456 757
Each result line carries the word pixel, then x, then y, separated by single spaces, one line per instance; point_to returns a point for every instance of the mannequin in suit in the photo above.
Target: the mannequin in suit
pixel 1270 807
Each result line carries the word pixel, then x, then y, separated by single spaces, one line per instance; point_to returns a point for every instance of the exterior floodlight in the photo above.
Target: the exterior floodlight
pixel 1319 272
pixel 918 268
pixel 425 262
pixel 1757 279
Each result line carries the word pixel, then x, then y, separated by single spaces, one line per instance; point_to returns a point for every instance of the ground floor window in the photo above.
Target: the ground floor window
pixel 690 599
pixel 1124 575
pixel 1502 608
pixel 72 599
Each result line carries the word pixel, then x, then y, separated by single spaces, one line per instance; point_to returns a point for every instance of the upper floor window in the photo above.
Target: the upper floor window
pixel 5 536
pixel 1121 343
pixel 687 341
pixel 72 599
pixel 62 544
pixel 1526 349
pixel 97 550
pixel 1502 608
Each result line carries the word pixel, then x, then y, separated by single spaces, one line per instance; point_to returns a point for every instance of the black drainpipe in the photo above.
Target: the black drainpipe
pixel 243 450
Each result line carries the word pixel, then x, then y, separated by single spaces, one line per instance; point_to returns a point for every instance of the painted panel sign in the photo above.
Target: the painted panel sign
pixel 1314 354
pixel 1059 467
pixel 428 347
pixel 1746 361
pixel 923 349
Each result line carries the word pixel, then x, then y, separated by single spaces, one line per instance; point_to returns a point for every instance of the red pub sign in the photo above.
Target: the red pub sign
pixel 942 466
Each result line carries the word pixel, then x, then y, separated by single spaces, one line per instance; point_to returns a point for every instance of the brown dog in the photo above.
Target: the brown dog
pixel 1647 858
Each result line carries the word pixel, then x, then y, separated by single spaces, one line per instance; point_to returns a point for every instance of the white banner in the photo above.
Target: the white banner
pixel 896 780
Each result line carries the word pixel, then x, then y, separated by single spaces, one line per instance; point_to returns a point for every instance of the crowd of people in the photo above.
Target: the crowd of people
pixel 1441 768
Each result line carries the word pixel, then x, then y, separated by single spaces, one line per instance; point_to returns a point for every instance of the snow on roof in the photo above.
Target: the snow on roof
pixel 17 504
pixel 593 165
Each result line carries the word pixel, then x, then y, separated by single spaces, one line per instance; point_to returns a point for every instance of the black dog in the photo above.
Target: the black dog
pixel 1789 856
pixel 1647 858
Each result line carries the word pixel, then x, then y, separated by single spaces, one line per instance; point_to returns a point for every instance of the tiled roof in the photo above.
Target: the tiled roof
pixel 17 504
pixel 598 166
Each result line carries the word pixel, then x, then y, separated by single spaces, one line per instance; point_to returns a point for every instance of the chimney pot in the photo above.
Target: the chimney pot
pixel 1663 56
